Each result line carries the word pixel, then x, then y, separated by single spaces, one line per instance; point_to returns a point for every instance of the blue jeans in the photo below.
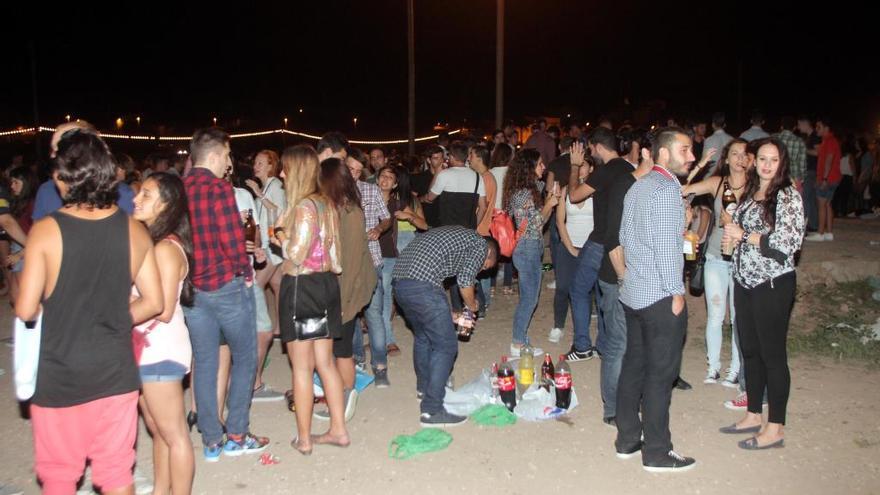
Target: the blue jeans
pixel 387 299
pixel 435 346
pixel 527 258
pixel 485 284
pixel 584 281
pixel 564 266
pixel 376 325
pixel 555 241
pixel 228 310
pixel 718 276
pixel 612 345
pixel 811 208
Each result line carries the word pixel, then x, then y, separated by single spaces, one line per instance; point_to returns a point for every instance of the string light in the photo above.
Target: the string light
pixel 232 136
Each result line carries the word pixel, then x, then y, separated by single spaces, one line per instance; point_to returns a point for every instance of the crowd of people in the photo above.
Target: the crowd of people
pixel 149 277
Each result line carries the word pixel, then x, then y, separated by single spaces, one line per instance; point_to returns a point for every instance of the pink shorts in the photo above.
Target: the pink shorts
pixel 102 430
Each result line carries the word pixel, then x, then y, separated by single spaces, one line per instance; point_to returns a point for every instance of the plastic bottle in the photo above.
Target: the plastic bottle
pixel 562 378
pixel 527 366
pixel 547 372
pixel 493 379
pixel 507 384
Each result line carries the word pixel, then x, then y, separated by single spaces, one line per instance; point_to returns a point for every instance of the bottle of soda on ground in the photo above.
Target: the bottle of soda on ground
pixel 562 378
pixel 526 366
pixel 547 372
pixel 493 380
pixel 507 384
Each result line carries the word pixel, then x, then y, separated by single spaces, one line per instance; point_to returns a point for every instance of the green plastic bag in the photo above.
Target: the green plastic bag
pixel 426 440
pixel 493 415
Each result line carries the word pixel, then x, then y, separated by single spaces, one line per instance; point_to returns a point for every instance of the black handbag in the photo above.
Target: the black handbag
pixel 308 328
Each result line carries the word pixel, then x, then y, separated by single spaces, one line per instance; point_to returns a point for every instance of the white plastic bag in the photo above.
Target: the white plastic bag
pixel 27 357
pixel 470 396
pixel 538 404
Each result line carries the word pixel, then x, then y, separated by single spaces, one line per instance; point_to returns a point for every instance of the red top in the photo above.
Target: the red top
pixel 218 237
pixel 829 146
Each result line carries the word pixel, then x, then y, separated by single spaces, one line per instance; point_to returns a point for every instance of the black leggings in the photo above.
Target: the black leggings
pixel 762 316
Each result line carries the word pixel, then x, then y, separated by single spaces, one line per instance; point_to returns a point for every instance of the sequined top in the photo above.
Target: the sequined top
pixel 313 246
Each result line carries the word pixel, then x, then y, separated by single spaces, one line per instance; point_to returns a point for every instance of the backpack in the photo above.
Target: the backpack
pixel 502 231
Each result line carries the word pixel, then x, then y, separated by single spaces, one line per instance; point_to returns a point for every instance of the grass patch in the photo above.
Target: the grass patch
pixel 833 323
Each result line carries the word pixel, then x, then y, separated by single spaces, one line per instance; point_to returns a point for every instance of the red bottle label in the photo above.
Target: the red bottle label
pixel 506 383
pixel 563 381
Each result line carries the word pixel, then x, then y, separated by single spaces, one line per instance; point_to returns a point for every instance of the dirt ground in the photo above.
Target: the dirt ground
pixel 832 440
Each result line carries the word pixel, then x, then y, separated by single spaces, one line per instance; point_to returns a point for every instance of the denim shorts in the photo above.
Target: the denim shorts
pixel 828 192
pixel 163 371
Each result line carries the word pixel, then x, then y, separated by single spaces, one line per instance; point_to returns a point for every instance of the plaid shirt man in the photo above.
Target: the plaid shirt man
pixel 651 235
pixel 219 253
pixel 441 253
pixel 375 210
pixel 797 152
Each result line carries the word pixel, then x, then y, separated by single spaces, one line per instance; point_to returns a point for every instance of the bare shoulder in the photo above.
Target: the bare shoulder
pixel 139 235
pixel 43 232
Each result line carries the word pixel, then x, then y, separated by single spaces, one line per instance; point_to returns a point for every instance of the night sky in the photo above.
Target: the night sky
pixel 252 66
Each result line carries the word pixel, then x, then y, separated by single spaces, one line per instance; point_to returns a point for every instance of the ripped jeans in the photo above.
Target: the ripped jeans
pixel 719 297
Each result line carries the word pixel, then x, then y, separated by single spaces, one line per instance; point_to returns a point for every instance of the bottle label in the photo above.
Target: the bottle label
pixel 506 383
pixel 563 382
pixel 526 376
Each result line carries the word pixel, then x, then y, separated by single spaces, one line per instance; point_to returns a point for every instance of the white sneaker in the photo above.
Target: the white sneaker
pixel 829 236
pixel 555 335
pixel 552 285
pixel 732 379
pixel 515 348
pixel 815 237
pixel 712 376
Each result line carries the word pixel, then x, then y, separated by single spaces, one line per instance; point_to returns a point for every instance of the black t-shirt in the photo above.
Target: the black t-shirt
pixel 616 195
pixel 421 184
pixel 561 168
pixel 812 141
pixel 602 178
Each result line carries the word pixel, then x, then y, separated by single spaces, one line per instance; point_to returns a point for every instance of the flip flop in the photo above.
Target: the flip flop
pixel 733 430
pixel 752 444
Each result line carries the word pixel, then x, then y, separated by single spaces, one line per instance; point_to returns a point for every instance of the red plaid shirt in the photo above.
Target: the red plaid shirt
pixel 218 236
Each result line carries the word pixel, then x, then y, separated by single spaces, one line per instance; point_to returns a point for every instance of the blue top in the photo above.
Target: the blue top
pixel 48 200
pixel 651 233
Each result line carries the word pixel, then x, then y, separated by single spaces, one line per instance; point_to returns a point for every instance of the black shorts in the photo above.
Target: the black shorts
pixel 344 347
pixel 317 293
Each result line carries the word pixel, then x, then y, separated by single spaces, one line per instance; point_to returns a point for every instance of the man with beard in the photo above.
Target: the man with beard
pixel 652 295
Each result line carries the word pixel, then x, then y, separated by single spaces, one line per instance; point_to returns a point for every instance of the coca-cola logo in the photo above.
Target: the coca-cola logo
pixel 506 384
pixel 563 382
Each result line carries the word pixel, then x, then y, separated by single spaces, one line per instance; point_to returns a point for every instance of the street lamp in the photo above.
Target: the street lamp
pixel 215 120
pixel 300 110
pixel 285 122
pixel 138 119
pixel 355 120
pixel 67 117
pixel 119 123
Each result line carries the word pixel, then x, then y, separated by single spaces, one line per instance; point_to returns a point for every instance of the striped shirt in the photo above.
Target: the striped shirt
pixel 651 235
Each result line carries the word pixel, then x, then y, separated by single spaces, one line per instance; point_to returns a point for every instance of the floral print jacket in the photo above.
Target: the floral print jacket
pixel 755 265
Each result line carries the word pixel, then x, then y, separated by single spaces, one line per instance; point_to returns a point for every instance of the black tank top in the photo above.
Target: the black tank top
pixel 85 349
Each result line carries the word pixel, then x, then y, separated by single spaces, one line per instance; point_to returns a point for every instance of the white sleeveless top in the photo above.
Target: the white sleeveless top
pixel 579 221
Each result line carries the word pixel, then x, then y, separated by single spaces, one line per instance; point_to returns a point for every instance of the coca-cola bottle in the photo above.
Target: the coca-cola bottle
pixel 507 384
pixel 562 378
pixel 547 372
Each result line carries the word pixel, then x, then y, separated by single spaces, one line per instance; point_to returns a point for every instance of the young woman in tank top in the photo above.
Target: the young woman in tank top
pixel 730 174
pixel 161 204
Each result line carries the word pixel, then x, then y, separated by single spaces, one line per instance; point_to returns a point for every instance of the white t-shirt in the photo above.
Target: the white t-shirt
pixel 845 168
pixel 274 192
pixel 457 180
pixel 499 173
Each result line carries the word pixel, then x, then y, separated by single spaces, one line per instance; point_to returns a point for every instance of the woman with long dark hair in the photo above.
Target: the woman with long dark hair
pixel 23 186
pixel 393 182
pixel 522 199
pixel 768 229
pixel 730 174
pixel 310 289
pixel 358 277
pixel 161 204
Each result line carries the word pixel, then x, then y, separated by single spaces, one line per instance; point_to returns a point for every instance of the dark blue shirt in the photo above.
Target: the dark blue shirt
pixel 48 200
